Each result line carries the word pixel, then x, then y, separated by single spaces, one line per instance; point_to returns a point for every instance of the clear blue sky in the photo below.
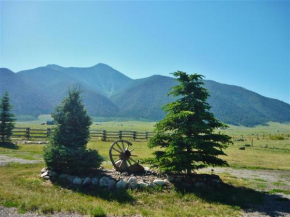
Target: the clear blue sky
pixel 245 43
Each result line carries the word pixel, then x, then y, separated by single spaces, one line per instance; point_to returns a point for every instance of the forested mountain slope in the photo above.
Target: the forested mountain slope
pixel 109 93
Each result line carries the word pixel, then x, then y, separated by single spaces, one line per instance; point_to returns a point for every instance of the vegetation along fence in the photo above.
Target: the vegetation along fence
pixel 29 133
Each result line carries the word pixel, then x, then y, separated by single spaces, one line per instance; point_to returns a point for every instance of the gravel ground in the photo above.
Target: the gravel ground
pixel 275 204
pixel 5 160
pixel 12 212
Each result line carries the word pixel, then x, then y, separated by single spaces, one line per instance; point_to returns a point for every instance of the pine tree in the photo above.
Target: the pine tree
pixel 7 118
pixel 67 151
pixel 186 135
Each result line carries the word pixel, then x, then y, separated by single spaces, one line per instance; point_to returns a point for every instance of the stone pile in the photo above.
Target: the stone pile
pixel 112 180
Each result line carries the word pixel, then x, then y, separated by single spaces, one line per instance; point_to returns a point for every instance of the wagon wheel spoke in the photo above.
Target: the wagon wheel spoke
pixel 123 146
pixel 134 161
pixel 132 149
pixel 129 162
pixel 117 160
pixel 119 147
pixel 116 150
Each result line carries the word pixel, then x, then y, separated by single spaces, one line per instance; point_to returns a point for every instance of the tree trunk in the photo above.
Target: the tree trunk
pixel 188 171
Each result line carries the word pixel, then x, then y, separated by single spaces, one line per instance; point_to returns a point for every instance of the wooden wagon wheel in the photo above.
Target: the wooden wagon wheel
pixel 120 155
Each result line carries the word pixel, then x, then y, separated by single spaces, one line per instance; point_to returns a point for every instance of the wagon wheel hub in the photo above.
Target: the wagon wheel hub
pixel 122 158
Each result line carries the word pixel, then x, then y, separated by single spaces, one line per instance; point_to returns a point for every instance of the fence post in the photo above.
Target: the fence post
pixel 104 135
pixel 48 132
pixel 134 135
pixel 120 134
pixel 28 133
pixel 146 135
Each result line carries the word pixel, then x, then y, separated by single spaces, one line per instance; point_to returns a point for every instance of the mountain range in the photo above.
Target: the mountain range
pixel 109 93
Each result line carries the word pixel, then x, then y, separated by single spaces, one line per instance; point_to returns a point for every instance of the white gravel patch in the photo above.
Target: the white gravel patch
pixel 4 160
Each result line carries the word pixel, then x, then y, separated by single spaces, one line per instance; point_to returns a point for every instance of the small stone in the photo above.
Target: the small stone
pixel 44 170
pixel 151 185
pixel 46 177
pixel 104 181
pixel 95 181
pixel 63 176
pixel 87 181
pixel 159 182
pixel 44 174
pixel 132 180
pixel 112 185
pixel 142 185
pixel 199 185
pixel 70 178
pixel 121 184
pixel 77 181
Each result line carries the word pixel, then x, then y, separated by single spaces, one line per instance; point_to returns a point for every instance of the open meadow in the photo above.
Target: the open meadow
pixel 267 148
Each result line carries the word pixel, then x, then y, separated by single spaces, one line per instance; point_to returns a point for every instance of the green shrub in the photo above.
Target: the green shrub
pixel 277 137
pixel 67 152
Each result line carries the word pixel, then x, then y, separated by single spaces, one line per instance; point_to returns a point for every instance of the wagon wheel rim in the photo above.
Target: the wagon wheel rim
pixel 121 153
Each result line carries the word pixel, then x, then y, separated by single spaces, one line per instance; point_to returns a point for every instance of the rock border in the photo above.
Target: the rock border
pixel 112 180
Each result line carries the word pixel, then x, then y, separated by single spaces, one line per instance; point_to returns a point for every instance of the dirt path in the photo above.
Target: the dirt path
pixel 6 160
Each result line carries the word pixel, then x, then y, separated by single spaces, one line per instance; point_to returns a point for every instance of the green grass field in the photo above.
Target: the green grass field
pixel 21 187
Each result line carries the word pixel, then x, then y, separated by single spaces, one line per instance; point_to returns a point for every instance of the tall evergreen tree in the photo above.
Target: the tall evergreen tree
pixel 186 135
pixel 67 150
pixel 7 118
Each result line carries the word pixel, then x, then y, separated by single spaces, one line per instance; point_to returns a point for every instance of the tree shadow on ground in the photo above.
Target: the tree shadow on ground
pixel 247 199
pixel 121 196
pixel 8 145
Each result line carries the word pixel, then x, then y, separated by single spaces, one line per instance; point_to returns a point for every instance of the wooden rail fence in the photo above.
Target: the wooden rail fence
pixel 30 133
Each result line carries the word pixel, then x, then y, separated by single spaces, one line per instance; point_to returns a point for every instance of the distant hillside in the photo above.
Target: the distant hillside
pixel 145 98
pixel 53 85
pixel 22 95
pixel 100 78
pixel 231 104
pixel 109 93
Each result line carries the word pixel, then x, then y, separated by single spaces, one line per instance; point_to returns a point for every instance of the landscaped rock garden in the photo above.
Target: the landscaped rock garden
pixel 111 180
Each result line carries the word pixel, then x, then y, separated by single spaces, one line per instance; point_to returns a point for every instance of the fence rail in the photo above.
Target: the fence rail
pixel 30 133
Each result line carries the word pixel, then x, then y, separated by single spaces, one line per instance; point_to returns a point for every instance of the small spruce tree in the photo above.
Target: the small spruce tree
pixel 67 151
pixel 7 118
pixel 186 135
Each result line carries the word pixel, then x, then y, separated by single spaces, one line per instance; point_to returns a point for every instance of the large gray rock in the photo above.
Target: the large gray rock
pixel 121 184
pixel 95 181
pixel 159 182
pixel 52 173
pixel 112 185
pixel 142 185
pixel 77 181
pixel 70 178
pixel 87 181
pixel 133 183
pixel 104 181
